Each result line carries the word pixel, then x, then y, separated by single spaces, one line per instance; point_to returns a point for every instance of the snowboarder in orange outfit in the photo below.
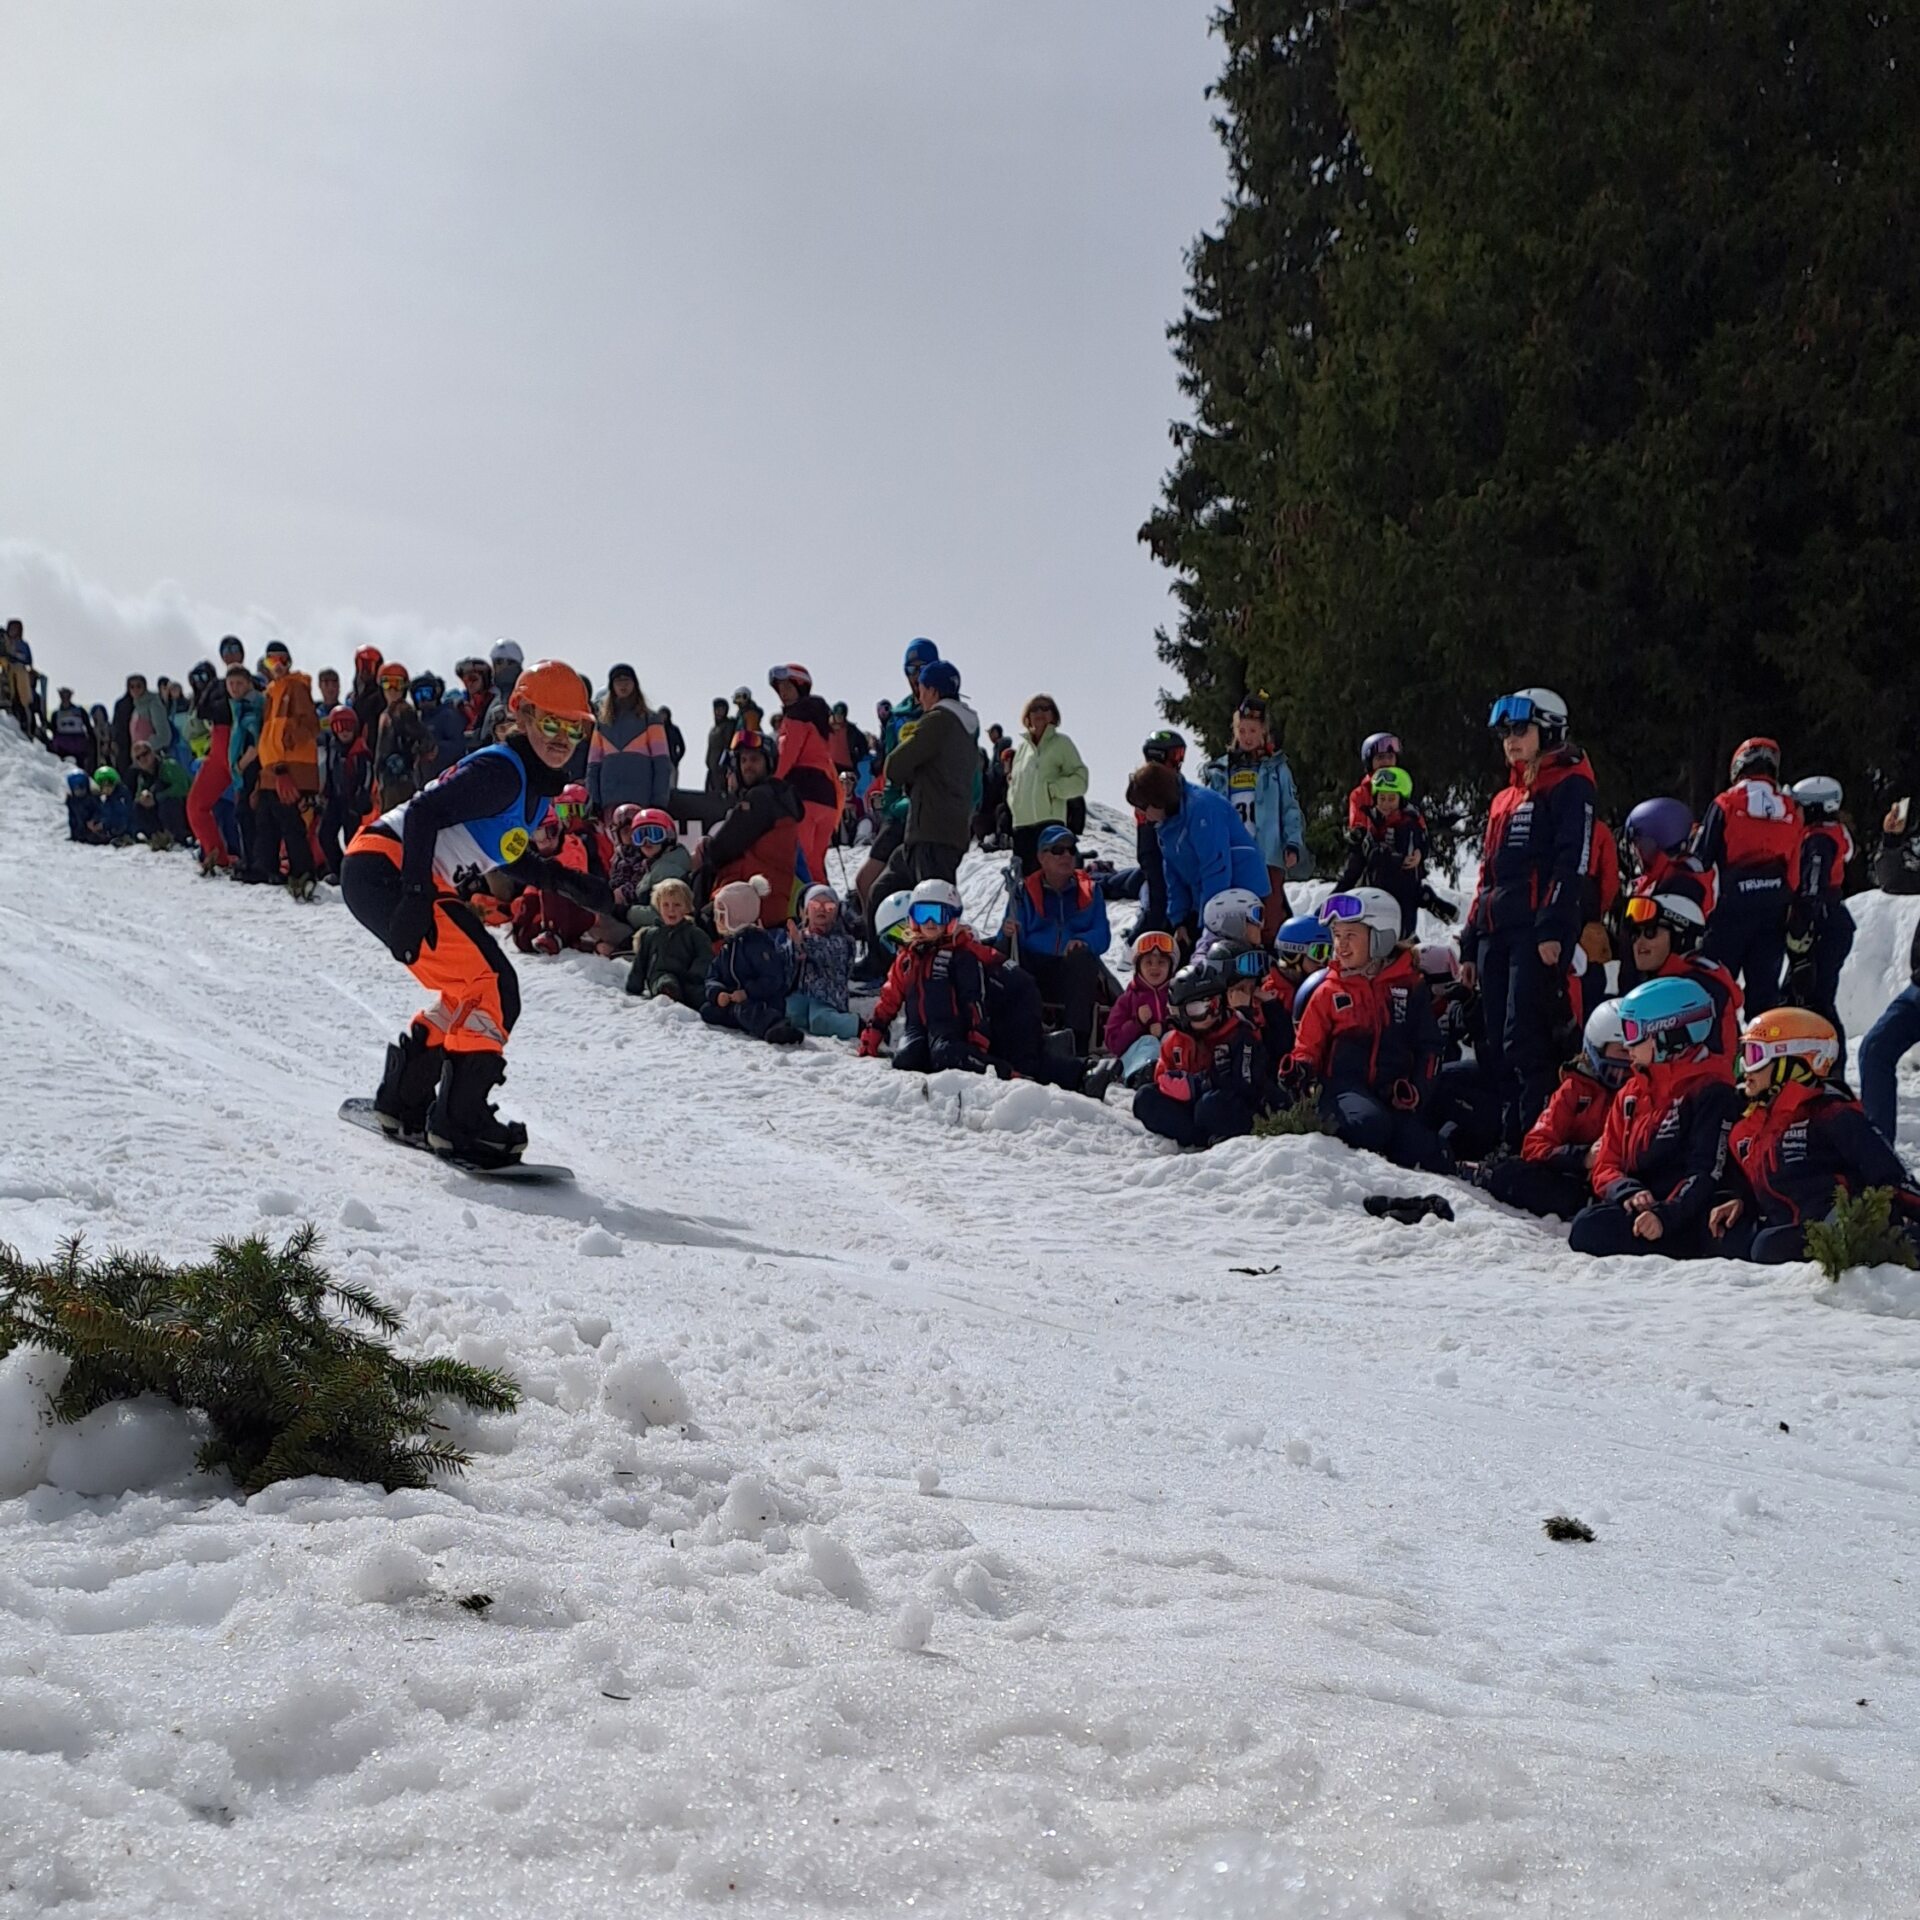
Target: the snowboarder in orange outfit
pixel 397 878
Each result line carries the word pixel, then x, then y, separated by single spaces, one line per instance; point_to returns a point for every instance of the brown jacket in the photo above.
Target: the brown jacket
pixel 290 733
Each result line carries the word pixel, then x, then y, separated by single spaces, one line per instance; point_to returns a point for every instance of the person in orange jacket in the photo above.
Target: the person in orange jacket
pixel 1554 1173
pixel 806 763
pixel 289 773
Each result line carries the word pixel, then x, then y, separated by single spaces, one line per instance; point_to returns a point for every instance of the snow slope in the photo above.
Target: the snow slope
pixel 915 1508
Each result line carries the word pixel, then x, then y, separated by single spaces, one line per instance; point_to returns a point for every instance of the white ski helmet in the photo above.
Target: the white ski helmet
pixel 937 893
pixel 1377 911
pixel 894 915
pixel 1820 794
pixel 1234 914
pixel 1603 1030
pixel 1540 705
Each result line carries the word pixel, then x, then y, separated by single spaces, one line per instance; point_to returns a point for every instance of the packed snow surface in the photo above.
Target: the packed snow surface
pixel 917 1505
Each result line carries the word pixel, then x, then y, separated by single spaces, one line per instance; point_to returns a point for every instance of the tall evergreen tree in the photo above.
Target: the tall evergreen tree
pixel 1560 344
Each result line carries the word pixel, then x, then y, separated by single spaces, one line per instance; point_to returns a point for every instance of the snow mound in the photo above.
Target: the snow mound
pixel 644 1393
pixel 598 1244
pixel 29 1377
pixel 1876 969
pixel 125 1446
pixel 1893 1292
pixel 387 1571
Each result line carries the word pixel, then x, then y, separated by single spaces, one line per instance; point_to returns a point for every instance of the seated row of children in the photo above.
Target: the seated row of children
pixel 1648 1145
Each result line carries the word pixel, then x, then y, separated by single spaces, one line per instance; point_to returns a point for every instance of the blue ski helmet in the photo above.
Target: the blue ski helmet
pixel 1304 938
pixel 77 782
pixel 1308 987
pixel 1675 1013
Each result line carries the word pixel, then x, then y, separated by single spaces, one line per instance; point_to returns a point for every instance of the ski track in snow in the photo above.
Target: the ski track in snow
pixel 1011 1554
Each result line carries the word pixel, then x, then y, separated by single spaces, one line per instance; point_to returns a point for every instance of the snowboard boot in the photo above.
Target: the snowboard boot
pixel 1100 1076
pixel 407 1087
pixel 783 1034
pixel 462 1121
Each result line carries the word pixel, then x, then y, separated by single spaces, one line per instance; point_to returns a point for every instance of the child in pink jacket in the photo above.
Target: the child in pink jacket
pixel 1139 1016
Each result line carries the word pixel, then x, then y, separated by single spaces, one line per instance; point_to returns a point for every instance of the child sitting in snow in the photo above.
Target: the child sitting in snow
pixel 747 977
pixel 823 959
pixel 1210 1081
pixel 671 957
pixel 1138 1019
pixel 83 810
pixel 647 851
pixel 115 817
pixel 938 984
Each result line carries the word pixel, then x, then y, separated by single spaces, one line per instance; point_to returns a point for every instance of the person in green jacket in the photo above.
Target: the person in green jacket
pixel 670 958
pixel 1048 775
pixel 160 785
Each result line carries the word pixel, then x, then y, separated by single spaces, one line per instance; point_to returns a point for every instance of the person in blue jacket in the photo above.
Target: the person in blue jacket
pixel 1253 775
pixel 1205 847
pixel 115 807
pixel 1059 922
pixel 751 972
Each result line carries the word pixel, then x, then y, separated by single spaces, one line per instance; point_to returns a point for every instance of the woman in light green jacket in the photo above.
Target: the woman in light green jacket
pixel 1048 773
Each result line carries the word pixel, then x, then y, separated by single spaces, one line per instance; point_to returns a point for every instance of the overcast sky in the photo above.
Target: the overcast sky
pixel 696 333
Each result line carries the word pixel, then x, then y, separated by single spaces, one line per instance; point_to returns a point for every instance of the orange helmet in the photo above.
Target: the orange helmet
pixel 1796 1043
pixel 553 687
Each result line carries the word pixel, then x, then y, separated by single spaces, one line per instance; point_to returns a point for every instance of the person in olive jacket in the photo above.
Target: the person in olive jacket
pixel 936 765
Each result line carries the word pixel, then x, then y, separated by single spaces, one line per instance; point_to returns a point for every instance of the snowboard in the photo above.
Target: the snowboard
pixel 533 1173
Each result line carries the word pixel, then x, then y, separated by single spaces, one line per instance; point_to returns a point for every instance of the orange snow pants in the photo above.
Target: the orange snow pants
pixel 476 993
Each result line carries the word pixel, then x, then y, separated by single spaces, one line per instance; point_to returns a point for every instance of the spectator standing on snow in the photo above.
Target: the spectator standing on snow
pixel 1205 847
pixel 628 764
pixel 935 765
pixel 1048 776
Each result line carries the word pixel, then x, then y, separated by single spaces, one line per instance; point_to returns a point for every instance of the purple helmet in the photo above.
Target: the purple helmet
pixel 1377 743
pixel 1665 824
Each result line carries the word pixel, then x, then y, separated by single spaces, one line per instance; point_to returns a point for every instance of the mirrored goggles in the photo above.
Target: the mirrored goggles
pixel 931 913
pixel 555 728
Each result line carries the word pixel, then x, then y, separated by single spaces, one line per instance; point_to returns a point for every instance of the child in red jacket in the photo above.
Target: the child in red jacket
pixel 1803 1141
pixel 1368 1036
pixel 1554 1173
pixel 1663 1150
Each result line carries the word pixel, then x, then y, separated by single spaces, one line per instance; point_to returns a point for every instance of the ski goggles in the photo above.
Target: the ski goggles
pixel 652 836
pixel 1512 713
pixel 1155 942
pixel 1249 965
pixel 393 682
pixel 1642 909
pixel 1343 906
pixel 554 728
pixel 896 935
pixel 1633 1031
pixel 932 913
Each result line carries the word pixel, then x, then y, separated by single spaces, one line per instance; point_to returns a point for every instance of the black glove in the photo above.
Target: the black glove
pixel 586 890
pixel 411 927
